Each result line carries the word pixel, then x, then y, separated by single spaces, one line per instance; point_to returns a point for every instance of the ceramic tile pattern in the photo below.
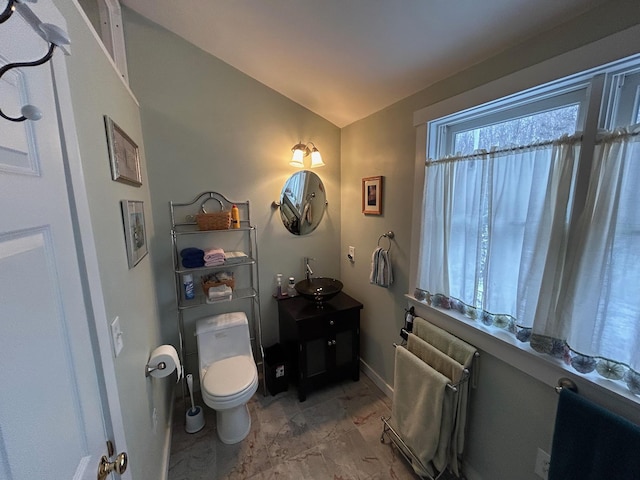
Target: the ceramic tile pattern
pixel 334 434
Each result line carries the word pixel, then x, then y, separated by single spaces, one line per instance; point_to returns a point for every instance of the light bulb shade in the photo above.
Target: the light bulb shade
pixel 316 158
pixel 298 155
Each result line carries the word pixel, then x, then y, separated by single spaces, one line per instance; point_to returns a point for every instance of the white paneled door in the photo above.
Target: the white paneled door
pixel 52 413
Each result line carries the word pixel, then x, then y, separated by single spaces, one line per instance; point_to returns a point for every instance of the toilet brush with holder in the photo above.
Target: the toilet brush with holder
pixel 195 415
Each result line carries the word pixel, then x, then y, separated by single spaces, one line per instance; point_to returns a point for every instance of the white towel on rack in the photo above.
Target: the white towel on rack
pixel 463 353
pixel 381 270
pixel 454 372
pixel 416 412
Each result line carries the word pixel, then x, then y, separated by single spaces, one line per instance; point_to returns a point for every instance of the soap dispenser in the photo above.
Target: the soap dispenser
pixel 278 293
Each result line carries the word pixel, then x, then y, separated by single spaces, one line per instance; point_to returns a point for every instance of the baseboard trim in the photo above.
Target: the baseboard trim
pixel 166 453
pixel 375 378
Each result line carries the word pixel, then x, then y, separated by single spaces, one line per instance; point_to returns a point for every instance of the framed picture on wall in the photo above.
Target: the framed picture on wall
pixel 134 231
pixel 123 155
pixel 372 195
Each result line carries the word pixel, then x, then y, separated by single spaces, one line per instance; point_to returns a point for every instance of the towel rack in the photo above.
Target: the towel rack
pixel 406 452
pixel 396 439
pixel 567 383
pixel 389 235
pixel 465 371
pixel 436 469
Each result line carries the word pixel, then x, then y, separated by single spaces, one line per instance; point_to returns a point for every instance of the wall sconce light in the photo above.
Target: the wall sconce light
pixel 302 150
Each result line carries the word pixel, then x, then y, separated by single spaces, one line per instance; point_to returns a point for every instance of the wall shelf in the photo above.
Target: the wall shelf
pixel 246 292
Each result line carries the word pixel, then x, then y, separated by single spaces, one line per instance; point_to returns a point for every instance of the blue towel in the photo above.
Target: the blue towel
pixel 192 262
pixel 191 252
pixel 591 443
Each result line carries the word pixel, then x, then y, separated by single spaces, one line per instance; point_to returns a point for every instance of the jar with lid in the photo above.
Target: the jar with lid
pixel 291 288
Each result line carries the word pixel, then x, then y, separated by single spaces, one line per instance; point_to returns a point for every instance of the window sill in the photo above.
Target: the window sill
pixel 505 347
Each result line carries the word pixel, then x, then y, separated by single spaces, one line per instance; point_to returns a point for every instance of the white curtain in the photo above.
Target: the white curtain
pixel 490 222
pixel 497 246
pixel 600 311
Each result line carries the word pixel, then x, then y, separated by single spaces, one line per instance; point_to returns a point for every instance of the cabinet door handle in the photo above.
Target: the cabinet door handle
pixel 331 322
pixel 329 343
pixel 333 342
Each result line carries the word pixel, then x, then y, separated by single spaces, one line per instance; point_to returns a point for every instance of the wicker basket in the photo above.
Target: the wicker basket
pixel 214 221
pixel 207 284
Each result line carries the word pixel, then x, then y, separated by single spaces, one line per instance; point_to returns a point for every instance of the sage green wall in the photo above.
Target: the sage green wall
pixel 512 413
pixel 208 126
pixel 129 294
pixel 92 11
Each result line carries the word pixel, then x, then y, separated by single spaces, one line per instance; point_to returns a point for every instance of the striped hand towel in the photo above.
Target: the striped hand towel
pixel 381 271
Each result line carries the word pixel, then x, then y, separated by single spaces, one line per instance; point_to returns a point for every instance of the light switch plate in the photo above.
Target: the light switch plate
pixel 116 334
pixel 352 254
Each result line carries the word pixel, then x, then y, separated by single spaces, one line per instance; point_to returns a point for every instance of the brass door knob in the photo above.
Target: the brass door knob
pixel 119 465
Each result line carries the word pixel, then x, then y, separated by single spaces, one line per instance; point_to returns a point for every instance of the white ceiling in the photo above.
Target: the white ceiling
pixel 345 59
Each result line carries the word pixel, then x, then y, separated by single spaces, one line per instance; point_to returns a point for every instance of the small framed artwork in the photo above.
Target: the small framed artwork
pixel 123 155
pixel 372 195
pixel 134 231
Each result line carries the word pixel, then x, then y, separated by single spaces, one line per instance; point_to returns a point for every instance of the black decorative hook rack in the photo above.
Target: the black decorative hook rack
pixel 8 11
pixel 53 35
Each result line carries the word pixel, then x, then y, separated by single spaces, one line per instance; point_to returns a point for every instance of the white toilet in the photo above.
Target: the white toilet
pixel 228 373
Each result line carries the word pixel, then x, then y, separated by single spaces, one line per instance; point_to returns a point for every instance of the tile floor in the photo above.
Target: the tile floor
pixel 334 434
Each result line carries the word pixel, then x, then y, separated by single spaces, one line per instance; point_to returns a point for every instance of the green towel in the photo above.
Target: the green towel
pixel 463 353
pixel 453 371
pixel 416 412
pixel 444 341
pixel 436 358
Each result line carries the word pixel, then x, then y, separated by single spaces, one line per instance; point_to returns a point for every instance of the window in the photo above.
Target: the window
pixel 529 227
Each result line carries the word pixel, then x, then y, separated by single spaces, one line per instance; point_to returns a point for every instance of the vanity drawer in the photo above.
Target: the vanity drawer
pixel 328 325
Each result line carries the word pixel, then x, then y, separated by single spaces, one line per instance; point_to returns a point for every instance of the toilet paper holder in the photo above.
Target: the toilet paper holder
pixel 148 369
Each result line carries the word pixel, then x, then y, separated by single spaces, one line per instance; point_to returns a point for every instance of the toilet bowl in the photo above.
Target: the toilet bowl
pixel 228 373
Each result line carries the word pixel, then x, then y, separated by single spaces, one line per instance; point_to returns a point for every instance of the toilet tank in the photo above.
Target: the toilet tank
pixel 222 336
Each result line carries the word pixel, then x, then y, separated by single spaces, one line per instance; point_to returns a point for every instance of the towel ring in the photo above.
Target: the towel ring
pixel 389 235
pixel 211 198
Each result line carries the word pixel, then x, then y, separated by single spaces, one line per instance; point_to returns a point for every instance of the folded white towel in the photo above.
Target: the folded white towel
pixel 219 292
pixel 235 257
pixel 381 271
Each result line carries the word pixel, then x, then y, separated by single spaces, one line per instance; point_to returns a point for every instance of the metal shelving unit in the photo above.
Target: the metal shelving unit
pixel 185 233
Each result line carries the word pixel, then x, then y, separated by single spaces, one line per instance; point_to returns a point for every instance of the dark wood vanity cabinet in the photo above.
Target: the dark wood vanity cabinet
pixel 322 342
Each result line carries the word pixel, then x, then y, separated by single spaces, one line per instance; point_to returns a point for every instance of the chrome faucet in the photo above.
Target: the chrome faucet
pixel 307 269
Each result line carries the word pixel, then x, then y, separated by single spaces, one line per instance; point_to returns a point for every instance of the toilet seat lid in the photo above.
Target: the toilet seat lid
pixel 229 376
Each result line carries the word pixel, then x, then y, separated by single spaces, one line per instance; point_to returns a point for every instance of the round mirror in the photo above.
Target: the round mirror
pixel 302 202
